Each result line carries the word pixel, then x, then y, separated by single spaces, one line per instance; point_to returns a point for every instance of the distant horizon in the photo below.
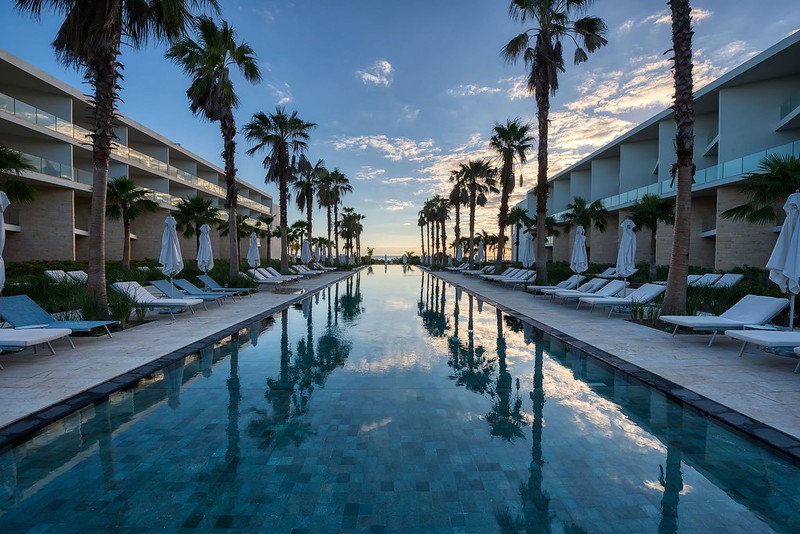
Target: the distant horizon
pixel 396 113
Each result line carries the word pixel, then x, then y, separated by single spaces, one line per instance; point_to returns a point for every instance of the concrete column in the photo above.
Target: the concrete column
pixel 740 242
pixel 701 249
pixel 602 246
pixel 561 245
pixel 47 228
pixel 149 229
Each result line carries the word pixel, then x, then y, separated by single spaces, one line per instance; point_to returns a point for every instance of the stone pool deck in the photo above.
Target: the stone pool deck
pixel 30 383
pixel 759 385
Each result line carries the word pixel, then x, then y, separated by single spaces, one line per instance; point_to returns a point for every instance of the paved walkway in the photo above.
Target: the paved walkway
pixel 759 385
pixel 32 382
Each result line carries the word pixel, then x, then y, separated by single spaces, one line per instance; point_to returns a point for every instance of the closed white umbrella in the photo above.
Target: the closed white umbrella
pixel 171 259
pixel 205 258
pixel 305 253
pixel 578 262
pixel 253 257
pixel 459 253
pixel 4 203
pixel 784 262
pixel 481 253
pixel 527 254
pixel 405 260
pixel 627 250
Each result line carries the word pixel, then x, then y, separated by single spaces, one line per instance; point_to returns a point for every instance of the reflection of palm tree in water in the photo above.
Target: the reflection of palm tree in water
pixel 671 480
pixel 352 299
pixel 433 318
pixel 470 369
pixel 506 418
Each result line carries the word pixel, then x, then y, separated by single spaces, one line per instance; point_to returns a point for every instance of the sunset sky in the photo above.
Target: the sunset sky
pixel 404 91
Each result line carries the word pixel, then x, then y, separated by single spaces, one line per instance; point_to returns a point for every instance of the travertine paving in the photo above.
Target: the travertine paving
pixel 759 385
pixel 31 382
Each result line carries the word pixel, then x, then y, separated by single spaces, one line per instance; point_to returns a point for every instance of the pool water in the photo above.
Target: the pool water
pixel 393 402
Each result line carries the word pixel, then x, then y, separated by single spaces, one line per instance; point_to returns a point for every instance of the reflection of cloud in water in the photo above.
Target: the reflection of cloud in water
pixel 397 303
pixel 369 427
pixel 592 414
pixel 389 362
pixel 655 485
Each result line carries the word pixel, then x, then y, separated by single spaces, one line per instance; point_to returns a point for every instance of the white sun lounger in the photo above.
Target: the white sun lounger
pixel 270 272
pixel 645 294
pixel 261 278
pixel 144 298
pixel 511 272
pixel 611 289
pixel 728 280
pixel 589 288
pixel 20 338
pixel 570 283
pixel 58 276
pixel 766 338
pixel 750 311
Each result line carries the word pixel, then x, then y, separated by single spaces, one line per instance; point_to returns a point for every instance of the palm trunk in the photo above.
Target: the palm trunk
pixel 126 244
pixel 457 230
pixel 104 75
pixel 197 236
pixel 501 234
pixel 516 242
pixel 228 127
pixel 430 250
pixel 283 191
pixel 330 259
pixel 269 246
pixel 422 238
pixel 543 112
pixel 471 229
pixel 675 296
pixel 444 244
pixel 336 228
pixel 653 255
pixel 309 213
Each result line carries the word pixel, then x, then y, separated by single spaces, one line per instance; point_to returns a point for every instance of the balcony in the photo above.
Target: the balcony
pixel 790 114
pixel 55 169
pixel 34 115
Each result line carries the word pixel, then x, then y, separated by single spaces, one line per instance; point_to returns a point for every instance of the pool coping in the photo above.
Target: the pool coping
pixel 24 428
pixel 753 428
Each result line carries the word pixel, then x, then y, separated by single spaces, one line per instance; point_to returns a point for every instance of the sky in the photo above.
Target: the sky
pixel 402 92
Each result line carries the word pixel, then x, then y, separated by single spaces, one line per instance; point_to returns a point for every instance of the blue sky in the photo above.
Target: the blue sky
pixel 404 91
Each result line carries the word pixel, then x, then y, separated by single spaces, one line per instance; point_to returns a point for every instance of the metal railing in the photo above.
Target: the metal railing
pixel 791 104
pixel 52 122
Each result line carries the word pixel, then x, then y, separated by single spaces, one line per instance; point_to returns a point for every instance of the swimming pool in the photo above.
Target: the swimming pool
pixel 392 401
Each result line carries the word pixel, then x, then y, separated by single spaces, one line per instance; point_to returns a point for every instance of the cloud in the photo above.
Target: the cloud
pixel 402 180
pixel 517 87
pixel 397 205
pixel 664 16
pixel 368 173
pixel 393 148
pixel 283 93
pixel 379 73
pixel 410 113
pixel 472 90
pixel 626 26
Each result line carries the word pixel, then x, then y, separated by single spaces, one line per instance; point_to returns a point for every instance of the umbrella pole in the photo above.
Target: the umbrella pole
pixel 791 313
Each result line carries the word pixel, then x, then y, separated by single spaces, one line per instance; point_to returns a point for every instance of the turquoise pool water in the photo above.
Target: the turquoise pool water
pixel 393 402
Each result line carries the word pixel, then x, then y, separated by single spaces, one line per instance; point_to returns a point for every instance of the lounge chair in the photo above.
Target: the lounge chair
pixel 13 339
pixel 144 298
pixel 751 310
pixel 611 289
pixel 590 287
pixel 21 312
pixel 488 269
pixel 767 338
pixel 526 277
pixel 728 280
pixel 304 271
pixel 194 291
pixel 459 267
pixel 78 276
pixel 58 276
pixel 645 294
pixel 262 278
pixel 322 267
pixel 511 272
pixel 272 272
pixel 707 280
pixel 213 285
pixel 170 291
pixel 570 283
pixel 611 272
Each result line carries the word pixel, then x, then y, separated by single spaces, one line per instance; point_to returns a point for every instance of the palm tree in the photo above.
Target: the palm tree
pixel 542 50
pixel 211 96
pixel 192 213
pixel 91 38
pixel 511 141
pixel 284 136
pixel 518 217
pixel 584 213
pixel 490 241
pixel 338 186
pixel 325 200
pixel 479 180
pixel 421 222
pixel 126 201
pixel 295 235
pixel 263 229
pixel 243 231
pixel 683 169
pixel 649 212
pixel 459 196
pixel 305 186
pixel 778 177
pixel 12 164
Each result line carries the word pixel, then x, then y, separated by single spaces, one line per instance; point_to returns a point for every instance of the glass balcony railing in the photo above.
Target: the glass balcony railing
pixel 791 104
pixel 48 120
pixel 729 169
pixel 58 170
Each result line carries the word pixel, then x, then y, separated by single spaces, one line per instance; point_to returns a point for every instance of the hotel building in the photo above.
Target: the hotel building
pixel 47 120
pixel 745 115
